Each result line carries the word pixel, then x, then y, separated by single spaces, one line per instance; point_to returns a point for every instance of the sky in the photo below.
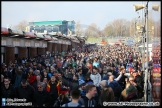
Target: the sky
pixel 100 13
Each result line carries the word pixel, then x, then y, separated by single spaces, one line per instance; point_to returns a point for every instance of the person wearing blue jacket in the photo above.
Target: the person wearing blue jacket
pixel 116 87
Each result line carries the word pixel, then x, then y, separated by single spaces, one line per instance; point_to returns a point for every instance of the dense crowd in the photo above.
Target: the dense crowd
pixel 87 76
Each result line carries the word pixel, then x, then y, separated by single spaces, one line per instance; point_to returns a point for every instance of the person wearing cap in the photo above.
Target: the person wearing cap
pixel 25 91
pixel 107 93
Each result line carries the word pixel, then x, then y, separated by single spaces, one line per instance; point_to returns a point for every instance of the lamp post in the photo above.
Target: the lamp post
pixel 136 8
pixel 146 74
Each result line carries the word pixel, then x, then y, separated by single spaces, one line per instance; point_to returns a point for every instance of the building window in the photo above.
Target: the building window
pixel 31 28
pixel 37 29
pixel 42 29
pixel 49 28
pixel 55 29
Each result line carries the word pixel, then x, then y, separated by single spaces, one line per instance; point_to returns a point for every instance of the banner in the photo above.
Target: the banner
pixel 156 72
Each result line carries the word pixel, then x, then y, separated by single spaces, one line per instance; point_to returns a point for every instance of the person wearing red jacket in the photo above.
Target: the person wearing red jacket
pixel 31 77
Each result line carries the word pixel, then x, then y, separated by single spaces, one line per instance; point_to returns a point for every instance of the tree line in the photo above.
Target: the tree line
pixel 118 27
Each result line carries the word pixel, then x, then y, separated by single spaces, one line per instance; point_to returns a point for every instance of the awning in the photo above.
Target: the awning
pixel 75 40
pixel 53 33
pixel 53 38
pixel 39 36
pixel 48 38
pixel 14 32
pixel 4 30
pixel 29 35
pixel 19 32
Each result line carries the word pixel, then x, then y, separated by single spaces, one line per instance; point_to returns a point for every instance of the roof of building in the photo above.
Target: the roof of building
pixel 46 23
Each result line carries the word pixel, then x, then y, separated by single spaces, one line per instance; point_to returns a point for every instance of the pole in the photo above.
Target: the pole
pixel 146 73
pixel 130 29
pixel 144 49
pixel 142 34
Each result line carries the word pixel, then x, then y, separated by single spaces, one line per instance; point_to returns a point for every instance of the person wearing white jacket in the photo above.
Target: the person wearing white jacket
pixel 96 77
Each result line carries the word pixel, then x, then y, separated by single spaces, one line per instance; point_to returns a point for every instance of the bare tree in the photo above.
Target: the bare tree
pixel 108 30
pixel 21 26
pixel 78 29
pixel 119 27
pixel 93 31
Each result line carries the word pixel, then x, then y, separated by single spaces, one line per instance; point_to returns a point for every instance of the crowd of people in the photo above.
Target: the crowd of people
pixel 84 77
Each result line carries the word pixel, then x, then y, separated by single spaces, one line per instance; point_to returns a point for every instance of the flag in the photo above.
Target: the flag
pixel 58 88
pixel 48 87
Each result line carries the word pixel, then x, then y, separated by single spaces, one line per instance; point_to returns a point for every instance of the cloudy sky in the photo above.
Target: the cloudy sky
pixel 100 13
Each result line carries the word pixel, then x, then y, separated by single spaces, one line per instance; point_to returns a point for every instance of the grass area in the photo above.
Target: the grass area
pixel 98 39
pixel 94 39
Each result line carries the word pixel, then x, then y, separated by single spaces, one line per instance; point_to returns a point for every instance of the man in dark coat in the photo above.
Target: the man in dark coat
pixel 138 83
pixel 7 90
pixel 72 83
pixel 25 91
pixel 52 89
pixel 41 97
pixel 75 83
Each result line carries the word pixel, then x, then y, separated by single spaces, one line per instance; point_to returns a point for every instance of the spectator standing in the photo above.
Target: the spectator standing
pixel 107 93
pixel 41 97
pixel 88 100
pixel 75 96
pixel 25 91
pixel 7 90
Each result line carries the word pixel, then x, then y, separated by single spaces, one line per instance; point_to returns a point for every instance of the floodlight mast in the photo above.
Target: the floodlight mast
pixel 136 8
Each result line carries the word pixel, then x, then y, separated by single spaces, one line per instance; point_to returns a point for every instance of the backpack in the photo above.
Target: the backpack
pixel 66 105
